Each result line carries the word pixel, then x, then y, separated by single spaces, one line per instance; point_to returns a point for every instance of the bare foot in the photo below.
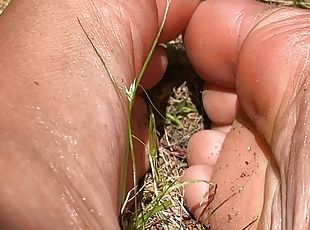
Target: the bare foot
pixel 260 54
pixel 63 127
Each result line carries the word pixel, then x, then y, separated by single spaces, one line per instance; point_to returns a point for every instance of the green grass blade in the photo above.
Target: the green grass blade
pixel 131 93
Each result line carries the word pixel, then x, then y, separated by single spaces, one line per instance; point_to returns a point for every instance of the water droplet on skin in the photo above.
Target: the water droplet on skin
pixel 83 198
pixel 38 108
pixel 52 167
pixel 91 210
pixel 249 148
pixel 41 122
pixel 61 157
pixel 57 142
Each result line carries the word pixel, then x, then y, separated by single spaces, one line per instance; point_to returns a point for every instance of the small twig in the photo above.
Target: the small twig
pixel 250 224
pixel 231 196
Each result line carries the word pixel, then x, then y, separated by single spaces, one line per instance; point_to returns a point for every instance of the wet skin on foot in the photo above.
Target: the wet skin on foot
pixel 56 94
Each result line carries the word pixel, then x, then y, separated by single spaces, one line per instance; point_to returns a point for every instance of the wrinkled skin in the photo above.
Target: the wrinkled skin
pixel 62 125
pixel 261 54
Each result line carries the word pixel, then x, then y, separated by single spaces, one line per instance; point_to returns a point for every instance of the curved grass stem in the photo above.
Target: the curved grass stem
pixel 131 94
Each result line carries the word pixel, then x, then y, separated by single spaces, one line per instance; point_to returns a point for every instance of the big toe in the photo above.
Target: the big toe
pixel 245 46
pixel 215 34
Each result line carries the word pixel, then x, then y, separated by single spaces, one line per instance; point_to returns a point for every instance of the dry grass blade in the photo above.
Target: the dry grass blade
pixel 3 5
pixel 170 166
pixel 131 93
pixel 305 4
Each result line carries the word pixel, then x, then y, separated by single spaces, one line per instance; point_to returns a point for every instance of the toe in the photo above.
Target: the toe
pixel 204 147
pixel 155 69
pixel 140 132
pixel 179 14
pixel 196 190
pixel 220 104
pixel 245 45
pixel 215 34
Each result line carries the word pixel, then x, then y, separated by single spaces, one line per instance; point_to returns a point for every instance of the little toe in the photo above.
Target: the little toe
pixel 202 153
pixel 196 190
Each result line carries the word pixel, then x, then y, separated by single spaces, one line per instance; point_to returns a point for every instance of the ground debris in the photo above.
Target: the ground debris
pixel 182 111
pixel 295 3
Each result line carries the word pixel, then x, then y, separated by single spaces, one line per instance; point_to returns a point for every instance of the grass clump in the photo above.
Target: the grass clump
pixel 162 204
pixel 131 95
